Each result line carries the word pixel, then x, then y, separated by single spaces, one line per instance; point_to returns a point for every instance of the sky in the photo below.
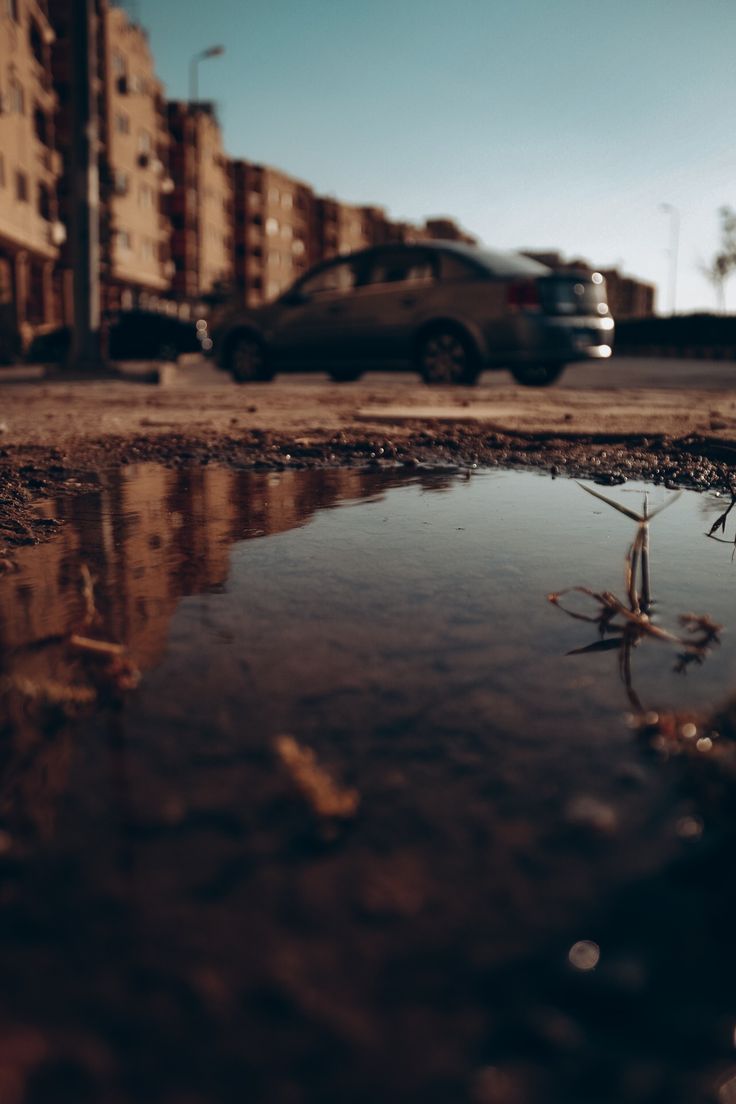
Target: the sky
pixel 537 124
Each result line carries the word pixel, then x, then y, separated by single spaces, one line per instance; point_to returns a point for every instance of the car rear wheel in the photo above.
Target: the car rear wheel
pixel 446 356
pixel 247 360
pixel 537 375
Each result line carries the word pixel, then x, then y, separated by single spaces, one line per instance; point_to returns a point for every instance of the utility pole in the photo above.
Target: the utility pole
pixel 210 52
pixel 84 222
pixel 674 214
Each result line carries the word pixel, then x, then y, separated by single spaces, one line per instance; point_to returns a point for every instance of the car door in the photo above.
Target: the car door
pixel 390 302
pixel 308 328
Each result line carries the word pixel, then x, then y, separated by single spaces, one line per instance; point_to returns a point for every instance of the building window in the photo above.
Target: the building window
pixel 21 187
pixel 144 142
pixel 118 64
pixel 145 196
pixel 273 195
pixel 272 226
pixel 287 201
pixel 125 241
pixel 122 123
pixel 41 126
pixel 44 202
pixel 120 182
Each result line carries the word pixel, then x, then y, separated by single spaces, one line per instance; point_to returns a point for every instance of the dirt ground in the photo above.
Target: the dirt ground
pixel 57 434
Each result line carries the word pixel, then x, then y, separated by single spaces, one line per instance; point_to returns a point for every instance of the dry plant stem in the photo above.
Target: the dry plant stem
pixel 326 797
pixel 700 631
pixel 624 664
pixel 646 584
pixel 631 568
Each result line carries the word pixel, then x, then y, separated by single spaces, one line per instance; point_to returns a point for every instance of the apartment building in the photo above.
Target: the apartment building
pixel 200 207
pixel 275 237
pixel 628 297
pixel 132 155
pixel 30 167
pixel 446 229
pixel 345 227
pixel 134 166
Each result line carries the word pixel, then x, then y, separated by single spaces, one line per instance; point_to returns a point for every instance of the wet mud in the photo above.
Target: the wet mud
pixel 29 472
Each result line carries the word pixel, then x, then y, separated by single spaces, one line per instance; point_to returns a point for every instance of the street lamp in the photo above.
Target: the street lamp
pixel 210 52
pixel 674 245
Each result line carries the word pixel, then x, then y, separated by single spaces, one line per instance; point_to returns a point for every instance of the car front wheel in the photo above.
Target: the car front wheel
pixel 537 375
pixel 247 360
pixel 445 356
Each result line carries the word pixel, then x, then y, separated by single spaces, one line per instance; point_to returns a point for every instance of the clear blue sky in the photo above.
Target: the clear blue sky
pixel 536 123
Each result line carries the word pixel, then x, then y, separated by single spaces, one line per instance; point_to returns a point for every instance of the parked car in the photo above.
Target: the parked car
pixel 132 335
pixel 447 309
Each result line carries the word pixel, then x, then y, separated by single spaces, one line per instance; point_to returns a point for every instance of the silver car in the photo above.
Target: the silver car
pixel 446 309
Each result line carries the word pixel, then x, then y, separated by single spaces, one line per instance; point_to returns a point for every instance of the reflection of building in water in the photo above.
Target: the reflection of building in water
pixel 150 536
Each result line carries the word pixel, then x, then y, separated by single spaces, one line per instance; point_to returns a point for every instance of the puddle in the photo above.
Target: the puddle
pixel 501 903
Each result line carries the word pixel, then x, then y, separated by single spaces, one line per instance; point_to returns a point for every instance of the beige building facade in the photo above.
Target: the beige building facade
pixel 200 207
pixel 134 166
pixel 274 231
pixel 30 168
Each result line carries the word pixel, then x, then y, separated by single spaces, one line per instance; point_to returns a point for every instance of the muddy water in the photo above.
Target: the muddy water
pixel 177 920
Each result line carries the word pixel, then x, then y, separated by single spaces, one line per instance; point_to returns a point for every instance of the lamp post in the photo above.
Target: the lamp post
pixel 210 52
pixel 674 245
pixel 84 214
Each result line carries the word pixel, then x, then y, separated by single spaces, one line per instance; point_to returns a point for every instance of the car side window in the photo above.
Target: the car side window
pixel 336 278
pixel 400 267
pixel 455 268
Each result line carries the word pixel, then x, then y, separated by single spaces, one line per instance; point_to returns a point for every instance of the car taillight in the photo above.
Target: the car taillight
pixel 523 295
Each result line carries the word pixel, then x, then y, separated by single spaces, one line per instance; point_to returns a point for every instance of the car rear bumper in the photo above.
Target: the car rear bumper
pixel 532 338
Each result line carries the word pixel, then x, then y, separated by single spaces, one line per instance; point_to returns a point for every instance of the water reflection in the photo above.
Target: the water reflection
pixel 492 907
pixel 134 548
pixel 151 535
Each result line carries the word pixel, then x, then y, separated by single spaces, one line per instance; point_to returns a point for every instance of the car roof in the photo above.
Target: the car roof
pixel 495 262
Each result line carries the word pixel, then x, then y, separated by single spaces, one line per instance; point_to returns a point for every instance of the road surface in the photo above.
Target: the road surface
pixel 629 372
pixel 621 397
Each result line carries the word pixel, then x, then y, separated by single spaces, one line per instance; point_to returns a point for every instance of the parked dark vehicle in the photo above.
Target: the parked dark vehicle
pixel 133 335
pixel 447 309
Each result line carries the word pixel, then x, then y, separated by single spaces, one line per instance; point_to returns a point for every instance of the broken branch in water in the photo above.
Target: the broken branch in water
pixel 630 620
